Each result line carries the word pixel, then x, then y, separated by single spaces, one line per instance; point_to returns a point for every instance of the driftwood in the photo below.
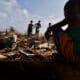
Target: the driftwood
pixel 27 54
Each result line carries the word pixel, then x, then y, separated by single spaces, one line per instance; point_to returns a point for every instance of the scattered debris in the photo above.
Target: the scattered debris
pixel 15 46
pixel 2 57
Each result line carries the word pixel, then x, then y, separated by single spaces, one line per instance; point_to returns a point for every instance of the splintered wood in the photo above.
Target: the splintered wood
pixel 25 47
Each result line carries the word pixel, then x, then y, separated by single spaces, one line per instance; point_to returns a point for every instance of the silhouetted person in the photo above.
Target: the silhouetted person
pixel 72 18
pixel 30 26
pixel 38 26
pixel 48 32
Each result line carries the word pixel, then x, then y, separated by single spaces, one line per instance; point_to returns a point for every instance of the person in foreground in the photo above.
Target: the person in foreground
pixel 70 39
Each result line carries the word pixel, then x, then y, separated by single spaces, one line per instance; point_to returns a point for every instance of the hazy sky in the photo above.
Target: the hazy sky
pixel 18 13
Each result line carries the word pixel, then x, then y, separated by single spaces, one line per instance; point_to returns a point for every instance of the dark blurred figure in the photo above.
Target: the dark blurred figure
pixel 48 32
pixel 70 39
pixel 38 26
pixel 30 27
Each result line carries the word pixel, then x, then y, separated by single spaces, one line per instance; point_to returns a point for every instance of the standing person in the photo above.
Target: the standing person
pixel 38 26
pixel 48 32
pixel 70 42
pixel 30 26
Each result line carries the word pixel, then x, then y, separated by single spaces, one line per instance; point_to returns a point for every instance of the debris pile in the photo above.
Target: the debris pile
pixel 16 46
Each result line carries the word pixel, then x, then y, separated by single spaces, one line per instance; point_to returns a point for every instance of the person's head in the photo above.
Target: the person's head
pixel 39 21
pixel 49 24
pixel 31 21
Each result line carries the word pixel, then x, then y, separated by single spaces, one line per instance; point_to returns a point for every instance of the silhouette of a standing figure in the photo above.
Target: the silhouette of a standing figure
pixel 38 26
pixel 48 32
pixel 30 26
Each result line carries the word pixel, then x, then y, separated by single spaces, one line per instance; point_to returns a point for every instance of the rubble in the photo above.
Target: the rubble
pixel 2 57
pixel 26 48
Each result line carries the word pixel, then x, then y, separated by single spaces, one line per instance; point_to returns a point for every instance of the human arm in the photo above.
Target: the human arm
pixel 59 25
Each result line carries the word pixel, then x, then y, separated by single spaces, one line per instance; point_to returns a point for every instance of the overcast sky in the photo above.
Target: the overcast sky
pixel 18 13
